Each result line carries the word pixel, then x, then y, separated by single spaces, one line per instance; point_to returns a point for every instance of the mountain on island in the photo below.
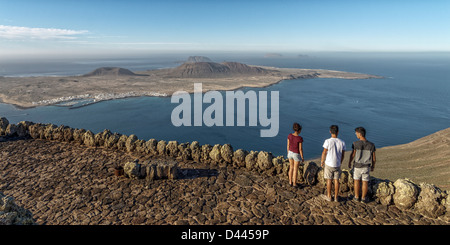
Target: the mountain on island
pixel 213 69
pixel 198 59
pixel 110 71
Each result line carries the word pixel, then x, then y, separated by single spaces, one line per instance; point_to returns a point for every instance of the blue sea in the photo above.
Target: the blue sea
pixel 410 102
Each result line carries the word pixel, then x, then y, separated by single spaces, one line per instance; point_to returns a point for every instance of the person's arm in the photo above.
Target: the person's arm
pixel 324 156
pixel 300 147
pixel 288 146
pixel 343 155
pixel 374 159
pixel 352 156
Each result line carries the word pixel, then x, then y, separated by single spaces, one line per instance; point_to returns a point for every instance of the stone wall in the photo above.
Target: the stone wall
pixel 423 198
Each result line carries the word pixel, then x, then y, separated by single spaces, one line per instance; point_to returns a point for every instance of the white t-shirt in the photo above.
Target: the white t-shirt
pixel 335 147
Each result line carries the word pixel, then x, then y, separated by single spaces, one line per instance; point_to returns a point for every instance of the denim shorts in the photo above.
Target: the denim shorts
pixel 295 156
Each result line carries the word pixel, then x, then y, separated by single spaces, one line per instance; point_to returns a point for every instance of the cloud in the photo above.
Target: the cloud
pixel 19 32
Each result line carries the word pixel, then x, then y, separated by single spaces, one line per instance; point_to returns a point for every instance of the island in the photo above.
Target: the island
pixel 108 83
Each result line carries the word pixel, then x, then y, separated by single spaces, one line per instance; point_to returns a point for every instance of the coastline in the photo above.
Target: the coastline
pixel 31 92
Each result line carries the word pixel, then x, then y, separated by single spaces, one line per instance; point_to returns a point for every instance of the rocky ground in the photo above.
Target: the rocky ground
pixel 62 183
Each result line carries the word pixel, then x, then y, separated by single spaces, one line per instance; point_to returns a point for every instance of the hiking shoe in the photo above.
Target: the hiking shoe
pixel 356 199
pixel 364 200
pixel 327 198
pixel 336 199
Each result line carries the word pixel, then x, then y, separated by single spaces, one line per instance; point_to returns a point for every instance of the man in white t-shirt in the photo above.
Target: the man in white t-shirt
pixel 332 157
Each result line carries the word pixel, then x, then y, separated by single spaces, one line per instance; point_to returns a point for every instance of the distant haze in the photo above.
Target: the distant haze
pixel 61 28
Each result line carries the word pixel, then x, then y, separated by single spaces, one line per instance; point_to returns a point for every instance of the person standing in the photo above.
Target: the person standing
pixel 364 156
pixel 332 157
pixel 295 153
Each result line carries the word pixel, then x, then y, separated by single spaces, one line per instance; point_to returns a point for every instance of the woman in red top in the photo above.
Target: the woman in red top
pixel 295 153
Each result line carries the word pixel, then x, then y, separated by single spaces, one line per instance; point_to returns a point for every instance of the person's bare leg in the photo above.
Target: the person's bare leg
pixel 357 185
pixel 294 175
pixel 329 183
pixel 336 189
pixel 291 170
pixel 365 187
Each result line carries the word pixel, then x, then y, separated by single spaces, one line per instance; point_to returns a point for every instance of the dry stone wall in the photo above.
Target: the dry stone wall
pixel 424 198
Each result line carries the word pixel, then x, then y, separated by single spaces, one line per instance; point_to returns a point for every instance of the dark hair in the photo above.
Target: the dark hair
pixel 297 127
pixel 334 129
pixel 361 130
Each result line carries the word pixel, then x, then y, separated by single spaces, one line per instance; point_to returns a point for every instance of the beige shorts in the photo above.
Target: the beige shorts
pixel 361 173
pixel 331 172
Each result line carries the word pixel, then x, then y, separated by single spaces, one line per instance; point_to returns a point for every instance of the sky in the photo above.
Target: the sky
pixel 77 27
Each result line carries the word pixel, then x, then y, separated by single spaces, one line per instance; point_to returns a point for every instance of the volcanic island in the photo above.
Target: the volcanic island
pixel 108 83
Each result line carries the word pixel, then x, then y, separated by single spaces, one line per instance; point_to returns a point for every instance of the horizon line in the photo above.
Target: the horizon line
pixel 135 53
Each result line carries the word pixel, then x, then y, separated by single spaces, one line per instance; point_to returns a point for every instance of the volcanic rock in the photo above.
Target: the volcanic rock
pixel 12 214
pixel 264 160
pixel 239 157
pixel 405 193
pixel 226 151
pixel 3 125
pixel 429 202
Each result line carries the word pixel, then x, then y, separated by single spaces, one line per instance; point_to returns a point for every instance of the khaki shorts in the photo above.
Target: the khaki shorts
pixel 331 172
pixel 361 173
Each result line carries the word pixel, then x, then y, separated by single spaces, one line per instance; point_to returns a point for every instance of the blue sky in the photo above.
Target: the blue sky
pixel 96 26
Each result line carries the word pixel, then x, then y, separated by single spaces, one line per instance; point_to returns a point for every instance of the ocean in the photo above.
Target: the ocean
pixel 410 102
